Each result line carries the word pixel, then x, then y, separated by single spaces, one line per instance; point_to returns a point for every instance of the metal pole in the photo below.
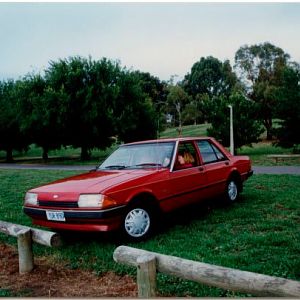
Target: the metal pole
pixel 231 130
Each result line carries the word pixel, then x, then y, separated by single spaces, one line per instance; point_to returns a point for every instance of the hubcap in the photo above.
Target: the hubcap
pixel 137 222
pixel 232 190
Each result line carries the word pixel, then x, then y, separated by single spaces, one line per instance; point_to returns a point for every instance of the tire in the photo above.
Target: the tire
pixel 138 223
pixel 232 190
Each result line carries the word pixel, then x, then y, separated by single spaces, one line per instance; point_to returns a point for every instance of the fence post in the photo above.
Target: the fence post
pixel 25 251
pixel 146 276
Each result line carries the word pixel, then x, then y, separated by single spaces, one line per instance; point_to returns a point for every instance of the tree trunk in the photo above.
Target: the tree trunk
pixel 9 155
pixel 85 155
pixel 45 153
pixel 268 124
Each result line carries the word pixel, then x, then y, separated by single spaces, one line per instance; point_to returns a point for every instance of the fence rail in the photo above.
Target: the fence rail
pixel 26 235
pixel 226 278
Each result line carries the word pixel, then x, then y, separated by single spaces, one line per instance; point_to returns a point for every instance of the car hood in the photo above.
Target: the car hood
pixel 92 182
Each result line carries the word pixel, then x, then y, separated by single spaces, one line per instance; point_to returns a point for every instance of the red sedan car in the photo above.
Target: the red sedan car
pixel 137 182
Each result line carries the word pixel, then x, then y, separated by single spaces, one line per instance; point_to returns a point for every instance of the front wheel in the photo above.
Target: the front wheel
pixel 232 191
pixel 138 223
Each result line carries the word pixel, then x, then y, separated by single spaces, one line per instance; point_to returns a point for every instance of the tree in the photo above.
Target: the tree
pixel 134 112
pixel 40 113
pixel 152 86
pixel 191 113
pixel 259 67
pixel 288 108
pixel 210 76
pixel 246 129
pixel 156 91
pixel 177 99
pixel 86 89
pixel 11 136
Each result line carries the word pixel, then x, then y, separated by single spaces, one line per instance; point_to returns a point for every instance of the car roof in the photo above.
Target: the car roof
pixel 180 139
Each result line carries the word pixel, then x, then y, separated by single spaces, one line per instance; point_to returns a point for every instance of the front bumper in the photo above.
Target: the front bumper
pixel 79 220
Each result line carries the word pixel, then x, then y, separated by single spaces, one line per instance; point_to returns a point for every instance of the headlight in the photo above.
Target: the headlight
pixel 31 198
pixel 95 200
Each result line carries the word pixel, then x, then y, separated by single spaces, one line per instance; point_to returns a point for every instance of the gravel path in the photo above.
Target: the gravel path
pixel 295 170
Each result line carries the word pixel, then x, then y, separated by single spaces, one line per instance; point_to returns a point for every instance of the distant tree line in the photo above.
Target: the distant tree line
pixel 86 103
pixel 79 102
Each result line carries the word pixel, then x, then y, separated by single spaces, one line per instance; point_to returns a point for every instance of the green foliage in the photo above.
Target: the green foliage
pixel 81 103
pixel 155 89
pixel 87 90
pixel 246 130
pixel 260 67
pixel 5 293
pixel 133 109
pixel 41 110
pixel 260 233
pixel 191 114
pixel 177 99
pixel 10 127
pixel 210 76
pixel 288 108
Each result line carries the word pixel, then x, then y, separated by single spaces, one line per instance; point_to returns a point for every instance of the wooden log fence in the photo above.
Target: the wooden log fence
pixel 25 236
pixel 226 278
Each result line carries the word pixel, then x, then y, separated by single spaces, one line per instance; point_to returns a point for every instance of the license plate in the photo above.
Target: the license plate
pixel 55 215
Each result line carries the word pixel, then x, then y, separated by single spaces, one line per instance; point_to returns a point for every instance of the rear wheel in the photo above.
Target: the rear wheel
pixel 232 190
pixel 138 222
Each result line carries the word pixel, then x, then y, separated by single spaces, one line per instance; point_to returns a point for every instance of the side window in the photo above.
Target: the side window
pixel 186 156
pixel 219 154
pixel 207 152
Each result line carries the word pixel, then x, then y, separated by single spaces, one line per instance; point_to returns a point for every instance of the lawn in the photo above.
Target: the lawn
pixel 189 130
pixel 260 233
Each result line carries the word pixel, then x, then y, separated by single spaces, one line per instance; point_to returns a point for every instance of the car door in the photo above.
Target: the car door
pixel 185 184
pixel 216 165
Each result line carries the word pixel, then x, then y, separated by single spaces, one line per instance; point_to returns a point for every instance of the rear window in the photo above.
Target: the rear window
pixel 209 152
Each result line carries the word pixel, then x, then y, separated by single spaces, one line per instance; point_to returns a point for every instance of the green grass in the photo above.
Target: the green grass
pixel 189 130
pixel 260 233
pixel 259 154
pixel 64 156
pixel 5 293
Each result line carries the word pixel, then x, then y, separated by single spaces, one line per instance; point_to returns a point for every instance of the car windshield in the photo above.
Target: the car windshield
pixel 148 155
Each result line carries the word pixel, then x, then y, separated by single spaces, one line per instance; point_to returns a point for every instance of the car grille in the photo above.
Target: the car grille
pixel 66 204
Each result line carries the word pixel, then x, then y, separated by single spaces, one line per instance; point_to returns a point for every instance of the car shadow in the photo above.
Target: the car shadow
pixel 186 215
pixel 183 216
pixel 76 237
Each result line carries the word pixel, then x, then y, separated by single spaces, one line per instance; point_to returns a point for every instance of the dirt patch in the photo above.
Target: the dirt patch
pixel 49 279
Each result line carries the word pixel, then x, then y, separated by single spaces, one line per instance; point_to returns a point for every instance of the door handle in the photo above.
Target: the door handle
pixel 227 163
pixel 201 169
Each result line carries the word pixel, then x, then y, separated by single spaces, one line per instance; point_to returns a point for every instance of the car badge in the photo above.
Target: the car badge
pixel 55 196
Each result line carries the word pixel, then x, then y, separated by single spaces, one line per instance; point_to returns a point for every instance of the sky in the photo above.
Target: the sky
pixel 164 39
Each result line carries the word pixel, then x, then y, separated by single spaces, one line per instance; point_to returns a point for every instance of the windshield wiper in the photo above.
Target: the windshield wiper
pixel 117 167
pixel 145 165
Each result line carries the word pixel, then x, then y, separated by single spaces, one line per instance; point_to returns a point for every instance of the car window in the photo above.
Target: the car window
pixel 219 154
pixel 207 152
pixel 186 156
pixel 146 155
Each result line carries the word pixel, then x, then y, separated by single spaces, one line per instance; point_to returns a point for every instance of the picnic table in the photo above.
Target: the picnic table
pixel 278 157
